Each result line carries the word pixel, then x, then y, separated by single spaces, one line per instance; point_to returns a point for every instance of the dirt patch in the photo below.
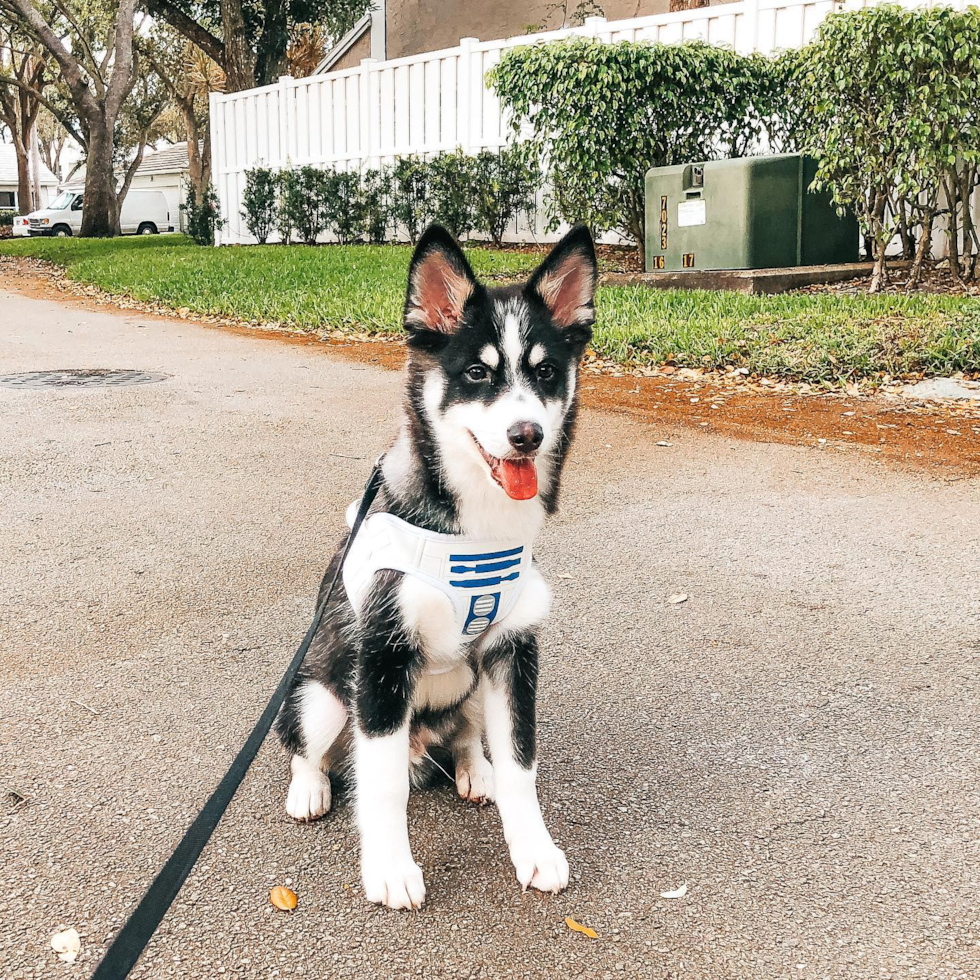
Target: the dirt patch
pixel 943 438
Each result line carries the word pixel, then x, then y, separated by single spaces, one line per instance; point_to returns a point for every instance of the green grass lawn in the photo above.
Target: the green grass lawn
pixel 820 338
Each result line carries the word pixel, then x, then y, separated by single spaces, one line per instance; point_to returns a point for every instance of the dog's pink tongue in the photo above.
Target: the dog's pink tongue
pixel 518 477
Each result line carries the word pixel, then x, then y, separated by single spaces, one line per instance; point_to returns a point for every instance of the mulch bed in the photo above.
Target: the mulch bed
pixel 936 280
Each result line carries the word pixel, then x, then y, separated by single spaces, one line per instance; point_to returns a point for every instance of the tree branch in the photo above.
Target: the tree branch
pixel 189 28
pixel 78 31
pixel 124 68
pixel 53 109
pixel 70 71
pixel 138 159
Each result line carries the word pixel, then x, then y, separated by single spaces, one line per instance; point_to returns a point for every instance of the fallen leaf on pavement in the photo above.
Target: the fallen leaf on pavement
pixel 676 893
pixel 578 927
pixel 283 898
pixel 677 598
pixel 67 945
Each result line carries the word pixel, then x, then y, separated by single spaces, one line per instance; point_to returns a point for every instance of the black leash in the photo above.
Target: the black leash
pixel 134 936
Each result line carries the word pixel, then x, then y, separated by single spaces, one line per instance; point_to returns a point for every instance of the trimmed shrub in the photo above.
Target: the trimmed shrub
pixel 7 218
pixel 452 180
pixel 504 185
pixel 376 190
pixel 286 204
pixel 306 202
pixel 410 204
pixel 260 202
pixel 343 205
pixel 204 215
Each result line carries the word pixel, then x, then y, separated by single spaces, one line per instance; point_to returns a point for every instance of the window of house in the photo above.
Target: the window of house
pixel 8 199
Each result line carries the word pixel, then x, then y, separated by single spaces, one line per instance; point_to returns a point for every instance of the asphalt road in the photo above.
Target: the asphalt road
pixel 798 742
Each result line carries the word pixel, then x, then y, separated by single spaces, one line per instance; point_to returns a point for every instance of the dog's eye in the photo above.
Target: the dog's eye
pixel 477 372
pixel 546 372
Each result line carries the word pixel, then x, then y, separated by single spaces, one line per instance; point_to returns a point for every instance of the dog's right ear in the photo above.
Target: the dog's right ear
pixel 440 284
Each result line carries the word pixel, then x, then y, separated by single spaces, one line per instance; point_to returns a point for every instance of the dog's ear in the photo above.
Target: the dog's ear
pixel 440 283
pixel 565 282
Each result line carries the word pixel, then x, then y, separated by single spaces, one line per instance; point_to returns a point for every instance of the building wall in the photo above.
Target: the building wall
pixel 416 26
pixel 361 48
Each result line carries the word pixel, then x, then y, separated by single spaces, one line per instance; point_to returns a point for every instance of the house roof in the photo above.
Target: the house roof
pixel 344 45
pixel 169 160
pixel 8 168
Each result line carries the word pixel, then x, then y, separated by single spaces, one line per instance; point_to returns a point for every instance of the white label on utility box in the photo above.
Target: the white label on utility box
pixel 690 213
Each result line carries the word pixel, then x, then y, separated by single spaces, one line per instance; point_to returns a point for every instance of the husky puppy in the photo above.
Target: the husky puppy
pixel 432 642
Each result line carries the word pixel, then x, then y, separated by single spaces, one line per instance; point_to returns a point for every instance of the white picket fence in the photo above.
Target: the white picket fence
pixel 436 101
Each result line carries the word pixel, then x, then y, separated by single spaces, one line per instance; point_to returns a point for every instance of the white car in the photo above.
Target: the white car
pixel 143 213
pixel 21 226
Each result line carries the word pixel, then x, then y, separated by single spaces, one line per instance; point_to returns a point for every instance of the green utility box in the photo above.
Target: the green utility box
pixel 747 213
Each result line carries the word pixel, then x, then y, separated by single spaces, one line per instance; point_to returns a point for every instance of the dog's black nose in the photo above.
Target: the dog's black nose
pixel 525 437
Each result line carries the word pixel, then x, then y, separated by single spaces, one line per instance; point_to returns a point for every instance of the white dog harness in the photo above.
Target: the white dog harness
pixel 483 579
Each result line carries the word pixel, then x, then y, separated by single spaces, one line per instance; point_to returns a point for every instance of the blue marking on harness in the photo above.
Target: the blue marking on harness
pixel 496 566
pixel 482 612
pixel 488 557
pixel 483 583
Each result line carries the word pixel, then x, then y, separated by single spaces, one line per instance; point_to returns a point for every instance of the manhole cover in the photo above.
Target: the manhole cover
pixel 86 378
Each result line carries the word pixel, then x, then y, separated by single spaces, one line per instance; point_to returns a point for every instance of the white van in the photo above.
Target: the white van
pixel 143 213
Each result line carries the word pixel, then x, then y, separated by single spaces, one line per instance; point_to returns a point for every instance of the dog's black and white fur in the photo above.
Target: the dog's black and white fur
pixel 492 375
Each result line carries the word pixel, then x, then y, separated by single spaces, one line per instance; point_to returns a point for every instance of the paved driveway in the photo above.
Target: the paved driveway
pixel 799 742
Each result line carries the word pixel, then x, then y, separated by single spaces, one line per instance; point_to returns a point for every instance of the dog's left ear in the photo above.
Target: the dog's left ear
pixel 565 282
pixel 440 283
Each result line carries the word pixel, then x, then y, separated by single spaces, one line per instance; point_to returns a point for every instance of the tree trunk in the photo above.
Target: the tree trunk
pixel 968 255
pixel 238 63
pixel 905 231
pixel 206 157
pixel 925 243
pixel 12 117
pixel 878 276
pixel 270 62
pixel 195 164
pixel 953 227
pixel 24 196
pixel 637 220
pixel 880 238
pixel 52 155
pixel 100 216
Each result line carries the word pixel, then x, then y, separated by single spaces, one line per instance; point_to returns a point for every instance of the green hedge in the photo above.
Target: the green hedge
pixel 482 193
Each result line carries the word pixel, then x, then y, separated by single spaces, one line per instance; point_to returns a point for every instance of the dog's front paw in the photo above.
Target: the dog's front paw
pixel 539 864
pixel 474 780
pixel 394 882
pixel 309 793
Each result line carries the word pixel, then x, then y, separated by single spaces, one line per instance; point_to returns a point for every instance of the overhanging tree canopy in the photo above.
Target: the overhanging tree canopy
pixel 249 39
